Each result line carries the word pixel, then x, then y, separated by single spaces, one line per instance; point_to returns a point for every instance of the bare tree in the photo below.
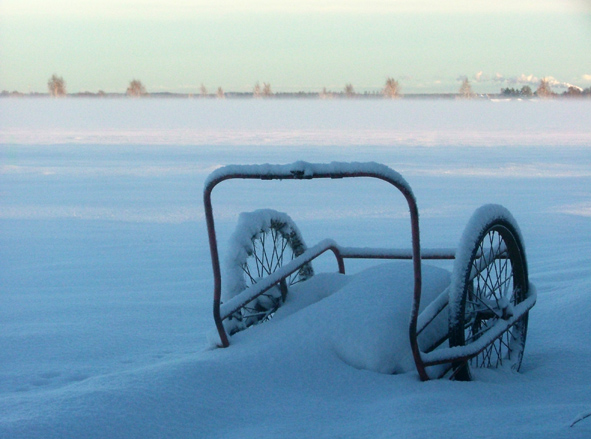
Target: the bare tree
pixel 349 90
pixel 324 94
pixel 466 89
pixel 203 91
pixel 267 89
pixel 56 86
pixel 136 89
pixel 256 91
pixel 544 90
pixel 391 89
pixel 220 93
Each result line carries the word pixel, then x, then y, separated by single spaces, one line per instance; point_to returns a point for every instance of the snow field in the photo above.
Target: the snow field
pixel 106 285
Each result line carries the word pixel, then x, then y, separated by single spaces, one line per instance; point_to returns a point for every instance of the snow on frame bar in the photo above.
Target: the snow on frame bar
pixel 395 253
pixel 462 353
pixel 252 292
pixel 301 170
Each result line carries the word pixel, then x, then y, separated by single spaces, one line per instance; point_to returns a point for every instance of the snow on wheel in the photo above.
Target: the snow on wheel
pixel 489 279
pixel 264 241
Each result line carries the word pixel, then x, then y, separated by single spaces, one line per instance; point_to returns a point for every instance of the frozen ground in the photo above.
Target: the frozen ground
pixel 106 284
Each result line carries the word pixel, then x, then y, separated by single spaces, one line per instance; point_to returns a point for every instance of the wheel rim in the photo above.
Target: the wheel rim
pixel 495 283
pixel 272 248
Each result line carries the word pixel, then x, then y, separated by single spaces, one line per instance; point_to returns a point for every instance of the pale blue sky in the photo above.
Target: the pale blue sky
pixel 176 45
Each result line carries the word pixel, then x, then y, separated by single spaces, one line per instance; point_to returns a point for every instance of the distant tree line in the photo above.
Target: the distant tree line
pixel 525 91
pixel 57 88
pixel 544 90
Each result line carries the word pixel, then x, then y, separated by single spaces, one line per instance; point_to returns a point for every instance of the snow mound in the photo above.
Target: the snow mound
pixel 362 318
pixel 370 315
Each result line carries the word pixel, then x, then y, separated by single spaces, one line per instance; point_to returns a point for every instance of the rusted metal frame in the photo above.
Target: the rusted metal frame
pixel 256 290
pixel 215 260
pixel 415 235
pixel 438 357
pixel 383 253
pixel 466 352
pixel 448 363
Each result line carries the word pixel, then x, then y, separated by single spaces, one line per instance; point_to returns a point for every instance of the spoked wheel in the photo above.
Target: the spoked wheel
pixel 264 241
pixel 490 278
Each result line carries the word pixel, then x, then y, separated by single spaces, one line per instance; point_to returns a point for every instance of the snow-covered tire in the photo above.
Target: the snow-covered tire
pixel 489 278
pixel 264 241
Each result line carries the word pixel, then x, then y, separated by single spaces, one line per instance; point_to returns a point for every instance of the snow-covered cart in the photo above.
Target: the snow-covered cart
pixel 479 320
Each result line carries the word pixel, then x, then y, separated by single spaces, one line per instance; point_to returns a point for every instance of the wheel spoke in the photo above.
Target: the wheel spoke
pixel 271 247
pixel 483 281
pixel 484 259
pixel 274 234
pixel 246 270
pixel 296 280
pixel 498 275
pixel 264 256
pixel 280 256
pixel 486 305
pixel 259 262
pixel 497 348
pixel 505 343
pixel 496 280
pixel 477 334
pixel 486 357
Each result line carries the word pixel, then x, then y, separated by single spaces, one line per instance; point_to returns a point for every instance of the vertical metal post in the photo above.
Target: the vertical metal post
pixel 215 262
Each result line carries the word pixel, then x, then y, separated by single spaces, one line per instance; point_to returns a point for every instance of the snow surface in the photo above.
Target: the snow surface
pixel 106 284
pixel 294 122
